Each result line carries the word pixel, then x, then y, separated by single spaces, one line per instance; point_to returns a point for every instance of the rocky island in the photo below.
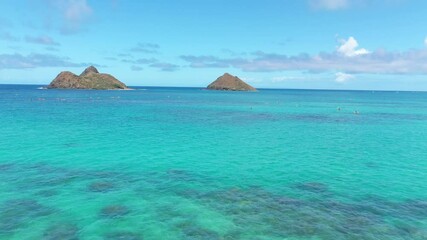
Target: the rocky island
pixel 228 82
pixel 90 78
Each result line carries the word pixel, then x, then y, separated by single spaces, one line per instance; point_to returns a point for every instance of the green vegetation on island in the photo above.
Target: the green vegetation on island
pixel 90 78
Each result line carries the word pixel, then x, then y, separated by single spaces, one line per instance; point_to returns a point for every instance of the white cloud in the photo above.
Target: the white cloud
pixel 329 4
pixel 380 61
pixel 77 10
pixel 341 77
pixel 286 78
pixel 165 67
pixel 73 13
pixel 425 41
pixel 44 40
pixel 279 79
pixel 349 48
pixel 334 5
pixel 146 48
pixel 35 60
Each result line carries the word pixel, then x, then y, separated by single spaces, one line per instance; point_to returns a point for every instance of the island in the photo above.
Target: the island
pixel 228 82
pixel 90 78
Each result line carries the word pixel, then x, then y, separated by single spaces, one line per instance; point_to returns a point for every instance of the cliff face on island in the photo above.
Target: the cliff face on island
pixel 230 83
pixel 90 78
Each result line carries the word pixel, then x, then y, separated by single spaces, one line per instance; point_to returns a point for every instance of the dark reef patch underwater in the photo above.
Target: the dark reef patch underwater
pixel 251 212
pixel 168 163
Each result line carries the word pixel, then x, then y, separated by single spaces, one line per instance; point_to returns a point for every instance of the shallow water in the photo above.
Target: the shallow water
pixel 185 163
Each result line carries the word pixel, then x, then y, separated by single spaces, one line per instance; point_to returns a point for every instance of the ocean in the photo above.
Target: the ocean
pixel 188 163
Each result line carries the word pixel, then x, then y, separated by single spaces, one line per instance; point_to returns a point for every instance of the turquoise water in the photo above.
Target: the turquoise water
pixel 186 163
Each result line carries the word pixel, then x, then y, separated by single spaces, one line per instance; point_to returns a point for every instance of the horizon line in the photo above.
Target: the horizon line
pixel 266 88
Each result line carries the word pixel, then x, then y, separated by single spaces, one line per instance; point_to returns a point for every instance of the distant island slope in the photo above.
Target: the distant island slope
pixel 228 82
pixel 90 78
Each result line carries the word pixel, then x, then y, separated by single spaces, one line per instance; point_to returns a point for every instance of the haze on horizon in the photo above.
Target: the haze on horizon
pixel 309 44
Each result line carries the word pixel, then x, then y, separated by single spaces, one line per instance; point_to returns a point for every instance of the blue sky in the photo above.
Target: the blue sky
pixel 320 44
